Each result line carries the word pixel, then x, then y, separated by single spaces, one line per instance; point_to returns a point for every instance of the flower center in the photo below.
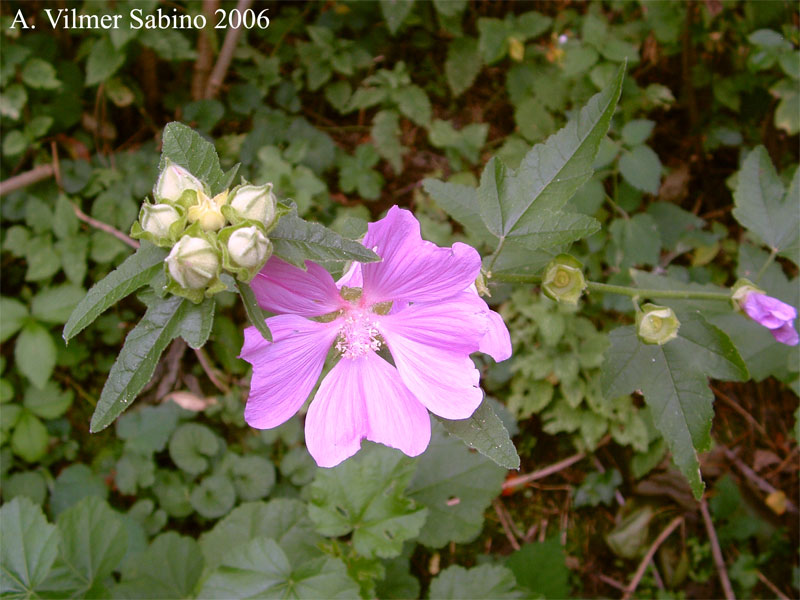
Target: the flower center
pixel 358 335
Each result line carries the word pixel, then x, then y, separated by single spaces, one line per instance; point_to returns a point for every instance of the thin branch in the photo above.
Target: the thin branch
pixel 27 178
pixel 226 54
pixel 504 521
pixel 716 552
pixel 104 227
pixel 203 64
pixel 762 483
pixel 775 589
pixel 210 371
pixel 735 406
pixel 637 577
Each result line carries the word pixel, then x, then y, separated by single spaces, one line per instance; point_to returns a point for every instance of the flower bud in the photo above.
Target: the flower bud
pixel 173 181
pixel 563 279
pixel 741 290
pixel 156 219
pixel 255 203
pixel 248 247
pixel 208 211
pixel 767 311
pixel 656 324
pixel 193 262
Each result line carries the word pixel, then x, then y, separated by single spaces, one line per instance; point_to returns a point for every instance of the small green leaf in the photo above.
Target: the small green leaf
pixel 641 168
pixel 413 102
pixel 138 359
pixel 188 149
pixel 29 548
pixel 637 131
pixel 485 432
pixel 365 495
pixel 385 134
pixel 191 445
pixel 463 64
pixel 148 429
pixel 74 483
pixel 48 403
pixel 490 582
pixel 13 315
pixel 35 353
pixel 40 74
pixel 133 273
pixel 213 497
pixel 674 381
pixel 295 241
pixel 54 304
pixel 456 486
pixel 395 12
pixel 550 578
pixel 104 60
pixel 30 437
pixel 254 313
pixel 197 322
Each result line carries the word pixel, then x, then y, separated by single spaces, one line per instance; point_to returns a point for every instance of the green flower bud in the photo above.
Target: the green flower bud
pixel 156 219
pixel 248 247
pixel 656 324
pixel 741 289
pixel 173 181
pixel 193 262
pixel 208 211
pixel 254 203
pixel 563 279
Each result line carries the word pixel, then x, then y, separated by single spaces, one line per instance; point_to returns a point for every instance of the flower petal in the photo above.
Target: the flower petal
pixel 411 268
pixel 286 369
pixel 456 324
pixel 283 288
pixel 364 398
pixel 786 334
pixel 496 342
pixel 352 278
pixel 445 382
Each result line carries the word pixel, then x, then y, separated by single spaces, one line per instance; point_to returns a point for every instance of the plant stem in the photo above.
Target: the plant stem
pixel 766 264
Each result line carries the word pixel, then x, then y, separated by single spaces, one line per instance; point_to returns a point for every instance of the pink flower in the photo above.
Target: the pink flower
pixel 773 314
pixel 417 303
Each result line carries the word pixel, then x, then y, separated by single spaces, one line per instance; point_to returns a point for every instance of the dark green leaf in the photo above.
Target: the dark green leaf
pixel 188 149
pixel 463 64
pixel 295 241
pixel 550 577
pixel 13 314
pixel 490 582
pixel 73 484
pixel 254 313
pixel 461 203
pixel 35 354
pixel 674 381
pixel 104 60
pixel 197 321
pixel 395 12
pixel 641 168
pixel 213 497
pixel 138 359
pixel 190 447
pixel 485 432
pixel 136 271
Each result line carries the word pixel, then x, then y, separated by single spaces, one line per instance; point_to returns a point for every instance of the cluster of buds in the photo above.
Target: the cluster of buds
pixel 207 234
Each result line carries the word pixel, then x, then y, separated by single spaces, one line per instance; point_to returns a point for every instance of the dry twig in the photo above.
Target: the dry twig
pixel 763 484
pixel 716 552
pixel 203 64
pixel 637 577
pixel 211 371
pixel 226 54
pixel 35 175
pixel 504 521
pixel 104 227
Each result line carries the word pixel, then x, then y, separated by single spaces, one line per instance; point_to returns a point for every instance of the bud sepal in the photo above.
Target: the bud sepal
pixel 193 266
pixel 245 249
pixel 563 279
pixel 248 202
pixel 741 290
pixel 656 324
pixel 160 224
pixel 173 182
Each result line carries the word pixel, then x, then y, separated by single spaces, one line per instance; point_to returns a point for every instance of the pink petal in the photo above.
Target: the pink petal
pixel 445 382
pixel 283 288
pixel 786 334
pixel 286 369
pixel 497 341
pixel 352 278
pixel 411 268
pixel 364 398
pixel 457 324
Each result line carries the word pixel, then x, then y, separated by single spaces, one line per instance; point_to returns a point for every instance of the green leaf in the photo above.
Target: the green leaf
pixel 169 568
pixel 26 483
pixel 138 358
pixel 365 495
pixel 764 208
pixel 148 429
pixel 674 381
pixel 73 252
pixel 395 12
pixel 456 486
pixel 284 520
pixel 461 203
pixel 197 321
pixel 35 354
pixel 30 545
pixel 641 168
pixel 104 60
pixel 93 542
pixel 385 134
pixel 74 483
pixel 637 131
pixel 463 64
pixel 413 102
pixel 550 578
pixel 261 569
pixel 214 497
pixel 30 437
pixel 137 270
pixel 295 241
pixel 54 304
pixel 48 403
pixel 43 263
pixel 492 582
pixel 511 203
pixel 254 313
pixel 190 447
pixel 635 241
pixel 485 432
pixel 13 315
pixel 187 148
pixel 40 74
pixel 253 476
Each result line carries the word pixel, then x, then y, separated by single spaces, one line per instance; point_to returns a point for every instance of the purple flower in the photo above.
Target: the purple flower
pixel 773 314
pixel 418 304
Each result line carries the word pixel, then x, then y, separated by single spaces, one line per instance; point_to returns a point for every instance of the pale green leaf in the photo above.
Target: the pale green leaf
pixel 104 60
pixel 641 168
pixel 75 482
pixel 385 133
pixel 48 403
pixel 35 354
pixel 54 304
pixel 13 315
pixel 550 578
pixel 197 321
pixel 30 437
pixel 190 447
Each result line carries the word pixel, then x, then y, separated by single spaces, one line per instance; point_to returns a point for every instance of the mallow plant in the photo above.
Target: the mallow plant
pixel 397 330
